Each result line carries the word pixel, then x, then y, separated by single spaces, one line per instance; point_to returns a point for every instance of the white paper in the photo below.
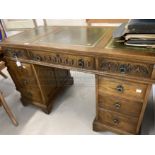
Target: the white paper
pixel 138 90
pixel 18 63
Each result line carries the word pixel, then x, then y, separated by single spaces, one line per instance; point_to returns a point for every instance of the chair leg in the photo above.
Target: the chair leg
pixel 1 73
pixel 8 111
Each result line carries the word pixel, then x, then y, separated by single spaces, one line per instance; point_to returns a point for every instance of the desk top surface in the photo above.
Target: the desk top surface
pixel 59 35
pixel 88 40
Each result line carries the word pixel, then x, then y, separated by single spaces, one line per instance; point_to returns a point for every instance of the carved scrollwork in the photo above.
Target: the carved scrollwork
pixel 136 69
pixel 81 63
pixel 63 59
pixel 15 53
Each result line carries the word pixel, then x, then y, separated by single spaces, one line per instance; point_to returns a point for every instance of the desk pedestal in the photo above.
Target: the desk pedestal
pixel 39 85
pixel 120 105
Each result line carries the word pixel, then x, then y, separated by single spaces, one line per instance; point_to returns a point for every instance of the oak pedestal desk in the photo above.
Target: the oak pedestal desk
pixel 39 62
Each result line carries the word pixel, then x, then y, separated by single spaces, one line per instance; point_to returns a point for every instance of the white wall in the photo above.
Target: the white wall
pixel 15 24
pixel 67 22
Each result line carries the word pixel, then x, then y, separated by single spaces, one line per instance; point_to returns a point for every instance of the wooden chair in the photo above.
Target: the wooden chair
pixel 7 109
pixel 2 66
pixel 2 100
pixel 2 63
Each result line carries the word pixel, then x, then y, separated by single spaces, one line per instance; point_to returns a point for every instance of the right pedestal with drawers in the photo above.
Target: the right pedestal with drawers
pixel 120 105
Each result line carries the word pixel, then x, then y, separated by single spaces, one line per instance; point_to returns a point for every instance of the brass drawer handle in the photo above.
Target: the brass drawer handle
pixel 116 121
pixel 37 58
pixel 120 88
pixel 15 55
pixel 81 63
pixel 122 69
pixel 117 106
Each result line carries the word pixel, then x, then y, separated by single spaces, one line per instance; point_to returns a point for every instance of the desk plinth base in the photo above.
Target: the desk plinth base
pixel 97 127
pixel 45 108
pixel 100 127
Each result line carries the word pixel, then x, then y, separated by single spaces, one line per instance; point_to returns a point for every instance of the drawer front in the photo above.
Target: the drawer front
pixel 24 71
pixel 63 59
pixel 16 53
pixel 23 76
pixel 126 107
pixel 24 80
pixel 129 90
pixel 32 94
pixel 117 121
pixel 122 67
pixel 28 83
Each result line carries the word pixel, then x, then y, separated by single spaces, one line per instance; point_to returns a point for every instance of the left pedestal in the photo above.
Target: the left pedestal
pixel 38 84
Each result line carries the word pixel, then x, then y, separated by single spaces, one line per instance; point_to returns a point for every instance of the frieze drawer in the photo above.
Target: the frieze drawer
pixel 16 53
pixel 85 62
pixel 123 67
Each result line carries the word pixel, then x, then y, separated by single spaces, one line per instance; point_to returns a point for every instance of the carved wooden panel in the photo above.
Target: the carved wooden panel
pixel 121 67
pixel 63 59
pixel 16 53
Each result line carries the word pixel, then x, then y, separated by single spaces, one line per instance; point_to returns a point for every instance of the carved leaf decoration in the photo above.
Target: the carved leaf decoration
pixel 133 69
pixel 63 59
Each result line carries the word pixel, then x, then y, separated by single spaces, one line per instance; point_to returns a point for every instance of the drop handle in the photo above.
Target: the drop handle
pixel 117 106
pixel 37 58
pixel 15 54
pixel 120 88
pixel 122 69
pixel 116 121
pixel 81 63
